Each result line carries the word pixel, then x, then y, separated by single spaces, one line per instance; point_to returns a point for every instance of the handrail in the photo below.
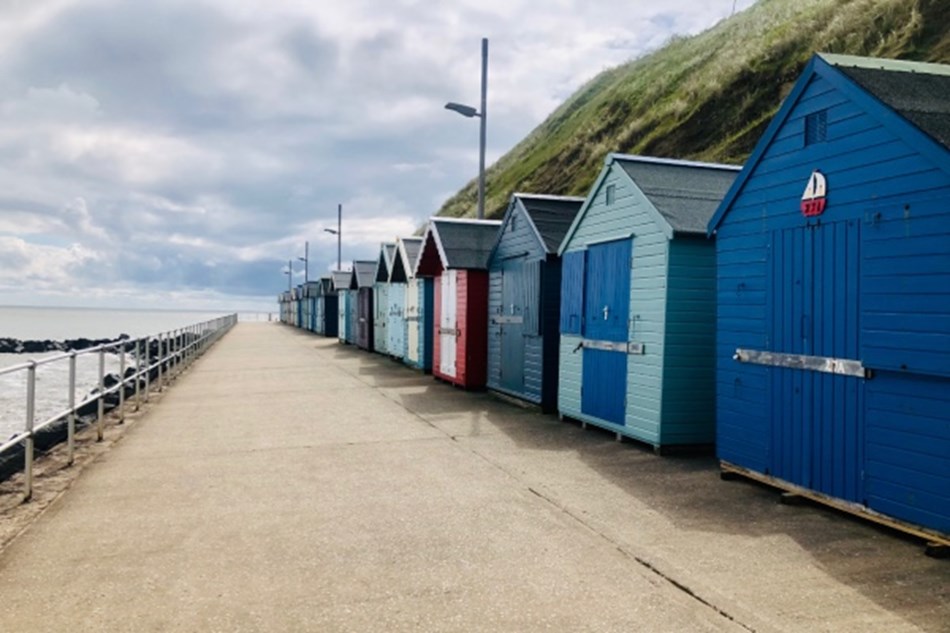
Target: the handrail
pixel 176 349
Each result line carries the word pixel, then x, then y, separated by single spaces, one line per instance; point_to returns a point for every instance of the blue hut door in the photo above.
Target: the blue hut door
pixel 817 438
pixel 606 310
pixel 512 324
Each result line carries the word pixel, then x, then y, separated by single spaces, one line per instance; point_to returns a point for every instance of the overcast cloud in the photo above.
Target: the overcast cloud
pixel 177 153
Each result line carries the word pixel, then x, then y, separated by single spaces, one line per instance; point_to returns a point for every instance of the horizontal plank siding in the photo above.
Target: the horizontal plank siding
pixel 895 196
pixel 689 363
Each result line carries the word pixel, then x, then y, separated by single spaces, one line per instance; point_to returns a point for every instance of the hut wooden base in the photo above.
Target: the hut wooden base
pixel 937 544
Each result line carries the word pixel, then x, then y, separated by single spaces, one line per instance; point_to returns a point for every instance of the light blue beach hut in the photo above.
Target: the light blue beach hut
pixel 418 310
pixel 341 285
pixel 396 329
pixel 387 251
pixel 638 305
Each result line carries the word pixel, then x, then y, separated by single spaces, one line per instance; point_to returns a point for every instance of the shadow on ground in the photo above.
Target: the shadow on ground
pixel 686 489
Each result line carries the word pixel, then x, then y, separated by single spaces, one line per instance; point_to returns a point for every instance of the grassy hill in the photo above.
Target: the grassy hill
pixel 707 97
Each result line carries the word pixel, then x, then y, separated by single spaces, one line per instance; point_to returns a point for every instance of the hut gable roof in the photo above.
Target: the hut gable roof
pixel 685 193
pixel 407 252
pixel 460 244
pixel 551 216
pixel 917 91
pixel 341 279
pixel 385 261
pixel 364 272
pixel 908 98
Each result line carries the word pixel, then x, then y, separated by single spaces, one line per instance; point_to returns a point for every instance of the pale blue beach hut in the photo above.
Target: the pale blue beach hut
pixel 341 285
pixel 638 304
pixel 381 306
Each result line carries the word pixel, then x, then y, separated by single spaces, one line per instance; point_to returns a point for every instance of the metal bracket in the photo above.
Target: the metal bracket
pixel 614 346
pixel 826 364
pixel 498 320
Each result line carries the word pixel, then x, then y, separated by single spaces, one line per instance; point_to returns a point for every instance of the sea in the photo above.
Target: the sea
pixel 57 324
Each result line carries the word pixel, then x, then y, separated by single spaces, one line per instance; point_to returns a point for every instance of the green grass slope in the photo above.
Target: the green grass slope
pixel 707 97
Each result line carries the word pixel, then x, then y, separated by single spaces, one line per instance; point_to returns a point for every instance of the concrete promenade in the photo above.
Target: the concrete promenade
pixel 287 483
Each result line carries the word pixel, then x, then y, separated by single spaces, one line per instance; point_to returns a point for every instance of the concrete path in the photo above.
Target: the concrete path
pixel 286 483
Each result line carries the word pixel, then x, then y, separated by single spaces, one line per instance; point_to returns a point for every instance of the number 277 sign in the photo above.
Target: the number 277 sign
pixel 814 199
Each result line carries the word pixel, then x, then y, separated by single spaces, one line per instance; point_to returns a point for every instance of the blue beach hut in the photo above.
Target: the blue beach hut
pixel 298 306
pixel 833 336
pixel 524 293
pixel 637 317
pixel 341 285
pixel 418 311
pixel 381 297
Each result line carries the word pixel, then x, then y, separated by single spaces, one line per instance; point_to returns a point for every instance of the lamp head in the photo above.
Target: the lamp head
pixel 464 110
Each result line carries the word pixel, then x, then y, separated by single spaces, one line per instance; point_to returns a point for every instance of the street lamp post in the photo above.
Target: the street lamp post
pixel 290 275
pixel 339 236
pixel 469 112
pixel 306 261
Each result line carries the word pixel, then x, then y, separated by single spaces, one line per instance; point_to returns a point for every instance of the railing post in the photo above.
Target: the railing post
pixel 138 374
pixel 148 366
pixel 121 383
pixel 161 354
pixel 100 412
pixel 71 418
pixel 30 413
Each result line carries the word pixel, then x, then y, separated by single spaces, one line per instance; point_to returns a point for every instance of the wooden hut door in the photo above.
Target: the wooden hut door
pixel 412 320
pixel 448 323
pixel 512 324
pixel 397 300
pixel 817 417
pixel 606 309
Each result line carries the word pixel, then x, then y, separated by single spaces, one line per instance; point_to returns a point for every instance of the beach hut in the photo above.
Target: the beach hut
pixel 310 293
pixel 364 275
pixel 341 285
pixel 381 297
pixel 298 306
pixel 833 363
pixel 414 316
pixel 455 254
pixel 282 304
pixel 638 312
pixel 524 293
pixel 325 306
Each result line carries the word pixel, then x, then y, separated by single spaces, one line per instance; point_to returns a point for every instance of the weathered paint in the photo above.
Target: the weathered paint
pixel 867 280
pixel 524 299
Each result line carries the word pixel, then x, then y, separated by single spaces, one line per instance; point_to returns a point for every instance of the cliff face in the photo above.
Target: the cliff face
pixel 707 97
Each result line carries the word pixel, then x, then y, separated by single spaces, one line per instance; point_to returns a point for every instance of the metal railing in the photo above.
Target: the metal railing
pixel 174 350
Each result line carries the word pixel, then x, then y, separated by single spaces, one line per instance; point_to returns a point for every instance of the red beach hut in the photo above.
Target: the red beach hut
pixel 455 254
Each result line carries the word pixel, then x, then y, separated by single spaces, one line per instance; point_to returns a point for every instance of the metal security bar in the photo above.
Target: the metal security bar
pixel 176 350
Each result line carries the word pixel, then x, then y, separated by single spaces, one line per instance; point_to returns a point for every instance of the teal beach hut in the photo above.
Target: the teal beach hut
pixel 524 294
pixel 638 309
pixel 341 285
pixel 418 311
pixel 387 251
pixel 325 308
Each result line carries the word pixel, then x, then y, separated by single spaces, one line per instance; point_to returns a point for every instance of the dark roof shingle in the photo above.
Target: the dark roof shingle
pixel 552 216
pixel 466 244
pixel 686 194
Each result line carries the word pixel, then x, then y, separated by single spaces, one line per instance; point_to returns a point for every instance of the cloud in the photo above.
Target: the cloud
pixel 184 149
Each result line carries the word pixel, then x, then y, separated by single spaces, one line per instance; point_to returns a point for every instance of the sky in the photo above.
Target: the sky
pixel 177 153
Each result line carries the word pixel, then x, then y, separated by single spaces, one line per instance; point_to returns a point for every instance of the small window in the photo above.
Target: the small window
pixel 512 222
pixel 611 194
pixel 816 127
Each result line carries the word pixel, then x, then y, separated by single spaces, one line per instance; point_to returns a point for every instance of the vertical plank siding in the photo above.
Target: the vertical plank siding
pixel 869 280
